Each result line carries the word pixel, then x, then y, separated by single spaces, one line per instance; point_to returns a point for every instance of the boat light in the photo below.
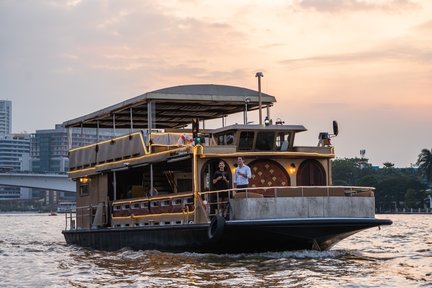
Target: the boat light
pixel 292 169
pixel 84 180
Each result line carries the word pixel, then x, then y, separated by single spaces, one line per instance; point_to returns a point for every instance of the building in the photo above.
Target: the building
pixel 14 157
pixel 5 116
pixel 49 147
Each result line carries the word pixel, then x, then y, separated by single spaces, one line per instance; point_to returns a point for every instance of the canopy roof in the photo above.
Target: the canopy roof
pixel 174 107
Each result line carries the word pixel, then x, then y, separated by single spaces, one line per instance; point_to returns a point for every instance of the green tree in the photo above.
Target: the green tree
pixel 415 198
pixel 368 181
pixel 424 163
pixel 348 171
pixel 391 191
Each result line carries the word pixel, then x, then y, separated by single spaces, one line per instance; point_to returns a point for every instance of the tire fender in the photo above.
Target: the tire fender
pixel 216 228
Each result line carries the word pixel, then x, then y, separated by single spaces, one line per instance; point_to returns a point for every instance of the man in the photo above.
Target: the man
pixel 242 174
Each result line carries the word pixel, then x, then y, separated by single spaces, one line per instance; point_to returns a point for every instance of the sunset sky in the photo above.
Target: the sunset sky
pixel 366 64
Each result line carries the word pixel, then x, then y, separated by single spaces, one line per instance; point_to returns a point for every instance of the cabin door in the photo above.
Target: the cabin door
pixel 268 173
pixel 311 173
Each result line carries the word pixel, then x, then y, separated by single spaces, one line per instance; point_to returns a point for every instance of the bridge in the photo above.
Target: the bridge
pixel 54 182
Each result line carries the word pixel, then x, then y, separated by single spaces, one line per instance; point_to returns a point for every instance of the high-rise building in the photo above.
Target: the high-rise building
pixel 5 117
pixel 14 157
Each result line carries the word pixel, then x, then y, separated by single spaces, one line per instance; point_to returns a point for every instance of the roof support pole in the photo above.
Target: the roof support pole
pixel 69 137
pixel 245 120
pixel 150 116
pixel 97 131
pixel 114 185
pixel 82 135
pixel 114 124
pixel 131 119
pixel 151 181
pixel 259 75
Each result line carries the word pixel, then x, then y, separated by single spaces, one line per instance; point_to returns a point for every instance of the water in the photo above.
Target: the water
pixel 33 254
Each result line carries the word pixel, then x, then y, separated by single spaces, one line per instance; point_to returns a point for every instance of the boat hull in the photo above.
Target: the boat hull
pixel 229 237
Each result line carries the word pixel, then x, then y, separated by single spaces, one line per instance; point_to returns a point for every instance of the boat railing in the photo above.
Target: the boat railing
pixel 70 219
pixel 87 217
pixel 217 202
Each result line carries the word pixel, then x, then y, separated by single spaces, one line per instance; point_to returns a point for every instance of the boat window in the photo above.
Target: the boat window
pixel 84 190
pixel 144 205
pixel 177 202
pixel 246 140
pixel 189 200
pixel 155 204
pixel 282 141
pixel 226 139
pixel 221 140
pixel 265 141
pixel 229 138
pixel 136 206
pixel 166 203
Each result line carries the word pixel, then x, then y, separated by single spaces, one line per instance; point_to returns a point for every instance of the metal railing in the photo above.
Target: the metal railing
pixel 78 219
pixel 216 204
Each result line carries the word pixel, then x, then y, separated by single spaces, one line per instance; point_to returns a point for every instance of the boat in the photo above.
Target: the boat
pixel 66 207
pixel 152 187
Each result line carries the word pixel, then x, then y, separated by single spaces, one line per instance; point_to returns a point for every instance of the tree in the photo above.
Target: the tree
pixel 414 198
pixel 388 164
pixel 347 171
pixel 368 181
pixel 424 163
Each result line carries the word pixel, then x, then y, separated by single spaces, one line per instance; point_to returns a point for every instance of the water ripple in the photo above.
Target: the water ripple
pixel 396 256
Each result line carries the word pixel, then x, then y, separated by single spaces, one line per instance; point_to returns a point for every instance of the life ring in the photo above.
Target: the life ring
pixel 216 228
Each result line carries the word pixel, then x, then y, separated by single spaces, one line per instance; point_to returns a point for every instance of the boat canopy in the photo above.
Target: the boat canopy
pixel 174 107
pixel 249 127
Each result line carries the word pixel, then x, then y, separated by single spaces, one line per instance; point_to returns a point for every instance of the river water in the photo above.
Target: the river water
pixel 33 253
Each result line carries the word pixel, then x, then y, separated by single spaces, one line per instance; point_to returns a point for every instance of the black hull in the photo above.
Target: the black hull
pixel 234 236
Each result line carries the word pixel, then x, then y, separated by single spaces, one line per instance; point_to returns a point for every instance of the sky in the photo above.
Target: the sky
pixel 366 64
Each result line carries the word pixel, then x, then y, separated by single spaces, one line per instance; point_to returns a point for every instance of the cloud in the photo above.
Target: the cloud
pixel 391 52
pixel 332 6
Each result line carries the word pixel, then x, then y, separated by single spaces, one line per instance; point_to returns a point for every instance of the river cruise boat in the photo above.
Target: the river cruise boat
pixel 152 188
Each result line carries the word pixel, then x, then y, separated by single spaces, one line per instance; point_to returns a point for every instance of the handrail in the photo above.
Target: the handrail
pixel 218 202
pixel 349 190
